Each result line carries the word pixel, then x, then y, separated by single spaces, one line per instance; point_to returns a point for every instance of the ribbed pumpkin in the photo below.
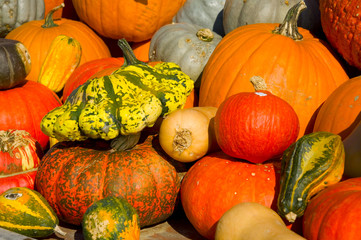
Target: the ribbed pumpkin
pixel 135 21
pixel 334 212
pixel 24 106
pixel 38 35
pixel 73 176
pixel 217 182
pixel 300 70
pixel 340 113
pixel 340 20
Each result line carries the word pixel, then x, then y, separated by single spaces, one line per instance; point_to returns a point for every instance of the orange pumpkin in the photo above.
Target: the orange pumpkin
pixel 340 113
pixel 38 35
pixel 141 50
pixel 135 21
pixel 299 69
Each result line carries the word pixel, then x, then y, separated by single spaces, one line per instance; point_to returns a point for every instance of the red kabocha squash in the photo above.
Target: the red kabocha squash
pixel 217 182
pixel 23 107
pixel 334 213
pixel 340 113
pixel 299 69
pixel 255 126
pixel 135 21
pixel 38 35
pixel 74 176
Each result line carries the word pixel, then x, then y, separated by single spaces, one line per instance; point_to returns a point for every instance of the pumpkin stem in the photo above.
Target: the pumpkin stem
pixel 289 26
pixel 129 57
pixel 49 20
pixel 205 35
pixel 258 83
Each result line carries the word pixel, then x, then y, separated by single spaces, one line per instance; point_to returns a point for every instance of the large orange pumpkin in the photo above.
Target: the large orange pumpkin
pixel 135 21
pixel 37 36
pixel 299 69
pixel 340 113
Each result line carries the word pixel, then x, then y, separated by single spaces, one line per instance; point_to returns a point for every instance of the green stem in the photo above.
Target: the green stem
pixel 289 26
pixel 128 54
pixel 49 21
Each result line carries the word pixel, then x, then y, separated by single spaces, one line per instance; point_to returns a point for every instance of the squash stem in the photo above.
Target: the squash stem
pixel 205 35
pixel 129 57
pixel 49 20
pixel 289 26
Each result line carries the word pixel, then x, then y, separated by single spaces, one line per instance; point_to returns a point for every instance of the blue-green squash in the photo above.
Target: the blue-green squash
pixel 26 211
pixel 309 165
pixel 111 218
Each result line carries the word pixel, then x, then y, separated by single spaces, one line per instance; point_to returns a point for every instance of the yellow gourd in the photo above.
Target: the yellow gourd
pixel 253 221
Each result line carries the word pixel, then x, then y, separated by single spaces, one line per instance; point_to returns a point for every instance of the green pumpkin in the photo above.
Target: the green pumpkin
pixel 309 165
pixel 111 218
pixel 26 211
pixel 15 63
pixel 122 103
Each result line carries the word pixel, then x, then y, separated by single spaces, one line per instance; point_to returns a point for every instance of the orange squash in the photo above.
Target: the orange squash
pixel 296 66
pixel 38 35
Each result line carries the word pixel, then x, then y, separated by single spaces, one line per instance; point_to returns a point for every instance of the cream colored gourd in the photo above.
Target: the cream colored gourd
pixel 352 145
pixel 253 221
pixel 187 134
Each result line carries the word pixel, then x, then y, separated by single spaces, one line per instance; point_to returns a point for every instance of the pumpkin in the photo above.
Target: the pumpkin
pixel 122 103
pixel 74 175
pixel 300 70
pixel 339 20
pixel 217 182
pixel 253 221
pixel 187 134
pixel 63 57
pixel 353 153
pixel 204 13
pixel 111 218
pixel 141 50
pixel 15 63
pixel 136 21
pixel 38 35
pixel 339 114
pixel 24 106
pixel 25 211
pixel 313 163
pixel 334 212
pixel 239 13
pixel 20 179
pixel 255 126
pixel 14 13
pixel 185 44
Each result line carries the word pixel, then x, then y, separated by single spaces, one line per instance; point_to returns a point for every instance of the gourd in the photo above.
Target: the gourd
pixel 111 218
pixel 20 156
pixel 353 153
pixel 339 114
pixel 14 13
pixel 204 13
pixel 311 164
pixel 274 52
pixel 328 215
pixel 188 134
pixel 63 57
pixel 23 107
pixel 339 20
pixel 256 126
pixel 74 175
pixel 37 36
pixel 122 103
pixel 25 211
pixel 15 63
pixel 253 221
pixel 138 22
pixel 185 44
pixel 217 182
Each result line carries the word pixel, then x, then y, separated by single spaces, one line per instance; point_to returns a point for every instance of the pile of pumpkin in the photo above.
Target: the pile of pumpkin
pixel 249 122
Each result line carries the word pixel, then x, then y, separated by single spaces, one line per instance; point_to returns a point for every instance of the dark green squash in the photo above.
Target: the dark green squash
pixel 111 218
pixel 309 165
pixel 15 63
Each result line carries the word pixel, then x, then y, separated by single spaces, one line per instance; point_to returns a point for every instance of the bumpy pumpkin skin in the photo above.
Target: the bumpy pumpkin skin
pixel 72 178
pixel 334 213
